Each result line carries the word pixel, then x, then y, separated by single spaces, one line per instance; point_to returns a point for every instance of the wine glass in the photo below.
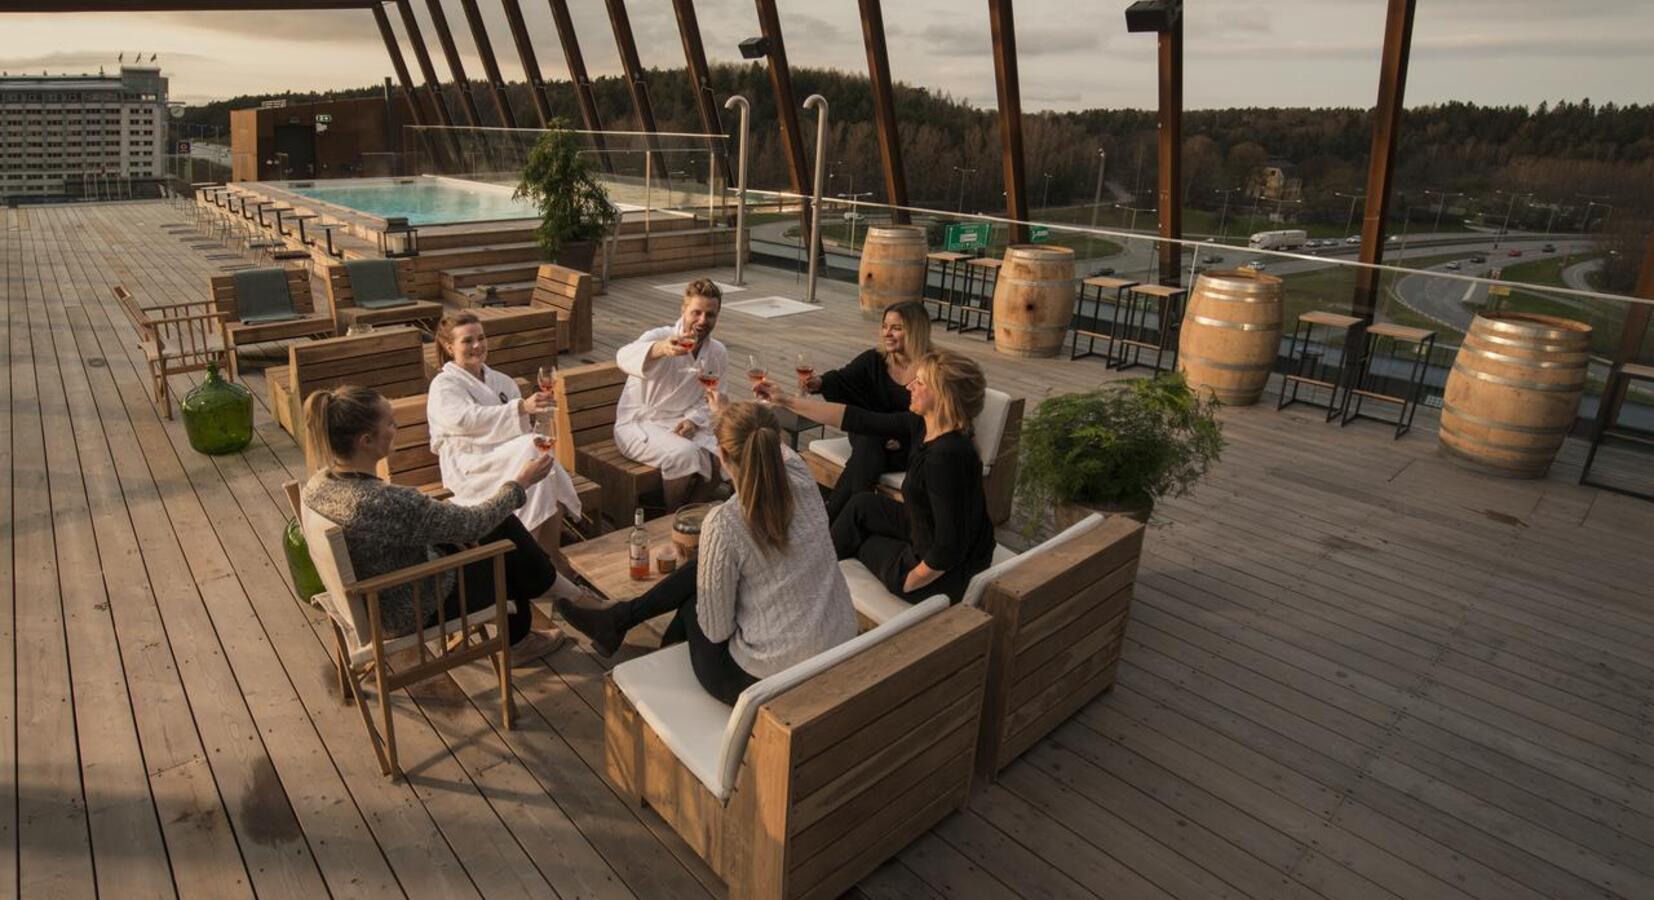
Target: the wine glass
pixel 707 376
pixel 805 369
pixel 686 341
pixel 756 372
pixel 546 378
pixel 545 437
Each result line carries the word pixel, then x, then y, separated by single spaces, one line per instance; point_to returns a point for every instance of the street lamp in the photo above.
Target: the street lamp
pixel 1350 221
pixel 1224 215
pixel 1442 204
pixel 1045 198
pixel 1585 227
pixel 853 214
pixel 1097 198
pixel 962 175
pixel 1509 208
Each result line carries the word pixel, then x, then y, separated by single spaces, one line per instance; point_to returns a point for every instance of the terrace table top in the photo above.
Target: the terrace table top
pixel 603 563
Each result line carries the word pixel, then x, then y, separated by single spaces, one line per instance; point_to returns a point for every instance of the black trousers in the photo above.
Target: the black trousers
pixel 873 529
pixel 528 574
pixel 869 458
pixel 717 671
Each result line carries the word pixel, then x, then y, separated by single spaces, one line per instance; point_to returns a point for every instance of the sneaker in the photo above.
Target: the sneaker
pixel 597 623
pixel 537 645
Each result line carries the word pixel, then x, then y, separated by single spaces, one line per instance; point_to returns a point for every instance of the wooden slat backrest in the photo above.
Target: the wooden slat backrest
pixel 411 461
pixel 520 341
pixel 586 402
pixel 188 333
pixel 569 291
pixel 389 360
pixel 339 293
pixel 222 290
pixel 134 312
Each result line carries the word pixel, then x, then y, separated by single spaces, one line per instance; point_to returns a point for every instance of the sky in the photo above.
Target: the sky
pixel 1071 55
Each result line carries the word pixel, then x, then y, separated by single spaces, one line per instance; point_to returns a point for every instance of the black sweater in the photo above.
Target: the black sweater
pixel 947 510
pixel 865 382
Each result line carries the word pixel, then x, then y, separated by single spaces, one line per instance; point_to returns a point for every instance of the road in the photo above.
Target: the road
pixel 1453 303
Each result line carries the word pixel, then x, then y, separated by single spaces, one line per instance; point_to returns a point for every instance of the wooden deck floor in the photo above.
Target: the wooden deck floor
pixel 1352 670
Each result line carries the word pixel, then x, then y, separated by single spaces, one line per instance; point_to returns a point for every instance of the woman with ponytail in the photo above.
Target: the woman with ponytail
pixel 389 527
pixel 765 591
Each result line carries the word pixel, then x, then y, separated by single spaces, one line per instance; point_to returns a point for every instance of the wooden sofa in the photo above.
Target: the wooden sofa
pixel 341 298
pixel 819 773
pixel 1059 611
pixel 520 340
pixel 306 322
pixel 998 436
pixel 389 360
pixel 569 292
pixel 586 401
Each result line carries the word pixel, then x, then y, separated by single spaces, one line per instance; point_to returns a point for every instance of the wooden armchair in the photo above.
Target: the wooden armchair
pixel 361 647
pixel 297 319
pixel 178 338
pixel 818 773
pixel 351 307
pixel 587 397
pixel 569 292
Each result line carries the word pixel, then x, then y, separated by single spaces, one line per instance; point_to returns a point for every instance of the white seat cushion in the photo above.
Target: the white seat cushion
pixel 990 426
pixel 834 450
pixel 874 601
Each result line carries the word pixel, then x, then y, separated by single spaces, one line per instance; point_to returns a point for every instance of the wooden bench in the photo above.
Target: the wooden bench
pixel 412 463
pixel 998 436
pixel 422 314
pixel 819 773
pixel 570 293
pixel 520 340
pixel 309 323
pixel 586 402
pixel 389 360
pixel 1059 612
pixel 178 338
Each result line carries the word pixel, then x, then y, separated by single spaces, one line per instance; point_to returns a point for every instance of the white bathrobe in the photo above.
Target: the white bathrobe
pixel 482 441
pixel 661 393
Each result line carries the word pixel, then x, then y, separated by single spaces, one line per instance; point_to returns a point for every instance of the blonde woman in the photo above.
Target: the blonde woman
pixel 389 527
pixel 875 381
pixel 766 591
pixel 938 536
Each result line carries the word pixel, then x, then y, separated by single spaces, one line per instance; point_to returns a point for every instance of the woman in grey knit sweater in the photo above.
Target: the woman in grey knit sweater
pixel 389 527
pixel 766 591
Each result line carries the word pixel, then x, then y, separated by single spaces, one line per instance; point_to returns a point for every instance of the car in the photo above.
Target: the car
pixel 1452 266
pixel 1211 260
pixel 1312 244
pixel 1548 248
pixel 1514 252
pixel 1256 265
pixel 1102 272
pixel 1478 258
pixel 1352 240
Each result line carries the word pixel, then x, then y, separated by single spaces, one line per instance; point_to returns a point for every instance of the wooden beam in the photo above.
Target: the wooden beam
pixel 1010 115
pixel 67 6
pixel 786 108
pixel 570 39
pixel 884 108
pixel 531 64
pixel 422 56
pixel 1392 85
pixel 700 76
pixel 490 65
pixel 399 64
pixel 1171 152
pixel 1634 327
pixel 445 38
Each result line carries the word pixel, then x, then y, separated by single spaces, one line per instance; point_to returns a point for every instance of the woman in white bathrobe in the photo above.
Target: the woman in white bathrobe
pixel 482 433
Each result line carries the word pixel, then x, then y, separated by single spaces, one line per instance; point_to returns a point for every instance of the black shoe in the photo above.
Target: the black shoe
pixel 601 625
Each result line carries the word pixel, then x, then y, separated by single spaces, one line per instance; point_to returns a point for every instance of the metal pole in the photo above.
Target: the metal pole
pixel 818 103
pixel 739 102
pixel 1097 198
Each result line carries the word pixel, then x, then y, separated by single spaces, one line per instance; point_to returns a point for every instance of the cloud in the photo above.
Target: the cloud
pixel 76 61
pixel 308 26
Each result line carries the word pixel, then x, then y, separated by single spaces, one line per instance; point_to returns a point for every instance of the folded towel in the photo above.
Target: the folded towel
pixel 261 296
pixel 373 283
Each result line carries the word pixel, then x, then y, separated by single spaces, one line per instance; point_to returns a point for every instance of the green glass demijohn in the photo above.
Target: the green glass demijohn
pixel 307 583
pixel 218 415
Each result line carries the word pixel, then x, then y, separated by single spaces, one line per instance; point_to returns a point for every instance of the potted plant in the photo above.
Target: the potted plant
pixel 1115 450
pixel 575 210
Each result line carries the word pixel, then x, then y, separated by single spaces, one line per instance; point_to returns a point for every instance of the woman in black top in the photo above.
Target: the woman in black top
pixel 875 381
pixel 939 536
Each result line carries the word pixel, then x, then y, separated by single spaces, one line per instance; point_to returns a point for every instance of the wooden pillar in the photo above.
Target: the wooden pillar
pixel 1171 152
pixel 531 64
pixel 490 65
pixel 1392 84
pixel 570 39
pixel 786 108
pixel 1634 327
pixel 884 108
pixel 1010 115
pixel 639 89
pixel 399 64
pixel 450 51
pixel 433 85
pixel 700 77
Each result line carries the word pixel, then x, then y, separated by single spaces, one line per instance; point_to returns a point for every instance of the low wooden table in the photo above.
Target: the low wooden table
pixel 602 561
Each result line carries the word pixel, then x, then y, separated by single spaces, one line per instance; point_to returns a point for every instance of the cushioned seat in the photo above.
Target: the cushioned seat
pixel 708 737
pixel 988 431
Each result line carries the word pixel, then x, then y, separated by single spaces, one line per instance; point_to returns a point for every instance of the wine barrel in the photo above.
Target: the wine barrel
pixel 1033 300
pixel 892 267
pixel 1513 392
pixel 1231 334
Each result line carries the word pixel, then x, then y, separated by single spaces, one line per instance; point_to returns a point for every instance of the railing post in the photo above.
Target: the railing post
pixel 740 102
pixel 819 103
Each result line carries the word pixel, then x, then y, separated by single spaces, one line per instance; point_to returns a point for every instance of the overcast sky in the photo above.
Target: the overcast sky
pixel 1073 55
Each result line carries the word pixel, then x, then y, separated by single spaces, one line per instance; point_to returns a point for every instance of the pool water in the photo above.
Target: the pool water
pixel 424 202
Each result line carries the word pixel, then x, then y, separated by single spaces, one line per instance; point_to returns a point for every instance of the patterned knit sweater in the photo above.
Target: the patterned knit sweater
pixel 389 527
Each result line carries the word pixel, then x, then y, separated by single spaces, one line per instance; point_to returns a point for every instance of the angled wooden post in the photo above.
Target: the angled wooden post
pixel 490 65
pixel 450 51
pixel 1171 152
pixel 433 84
pixel 781 82
pixel 700 77
pixel 884 108
pixel 531 64
pixel 632 66
pixel 570 41
pixel 399 64
pixel 1010 115
pixel 1392 85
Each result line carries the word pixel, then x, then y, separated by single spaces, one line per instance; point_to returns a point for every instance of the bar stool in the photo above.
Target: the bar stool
pixel 986 268
pixel 1367 384
pixel 948 266
pixel 1132 335
pixel 1608 425
pixel 1093 329
pixel 1312 365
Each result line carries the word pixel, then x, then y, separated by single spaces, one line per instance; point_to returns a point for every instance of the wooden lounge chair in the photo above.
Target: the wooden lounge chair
pixel 586 400
pixel 570 293
pixel 1059 612
pixel 361 647
pixel 389 360
pixel 375 292
pixel 998 434
pixel 520 340
pixel 178 338
pixel 819 773
pixel 257 308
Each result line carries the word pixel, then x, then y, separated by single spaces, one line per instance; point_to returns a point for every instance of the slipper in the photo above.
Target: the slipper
pixel 537 645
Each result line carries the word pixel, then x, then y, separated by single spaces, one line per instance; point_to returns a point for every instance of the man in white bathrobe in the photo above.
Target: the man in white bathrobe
pixel 662 419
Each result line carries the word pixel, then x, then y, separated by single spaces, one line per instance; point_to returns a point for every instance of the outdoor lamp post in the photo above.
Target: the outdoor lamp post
pixel 1441 204
pixel 1350 221
pixel 398 239
pixel 852 215
pixel 1223 216
pixel 962 173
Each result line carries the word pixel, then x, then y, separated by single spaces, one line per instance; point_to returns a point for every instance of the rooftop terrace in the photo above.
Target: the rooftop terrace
pixel 1352 669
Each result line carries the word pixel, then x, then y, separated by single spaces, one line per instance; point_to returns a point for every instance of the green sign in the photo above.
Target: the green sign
pixel 1039 234
pixel 963 237
pixel 324 118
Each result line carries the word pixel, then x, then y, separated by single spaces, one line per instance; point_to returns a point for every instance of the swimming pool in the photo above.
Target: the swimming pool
pixel 422 201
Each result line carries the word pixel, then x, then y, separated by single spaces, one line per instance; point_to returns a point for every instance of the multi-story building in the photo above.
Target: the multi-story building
pixel 77 135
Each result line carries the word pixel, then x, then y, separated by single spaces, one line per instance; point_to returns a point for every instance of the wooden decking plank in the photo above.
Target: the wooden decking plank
pixel 11 271
pixel 950 873
pixel 978 840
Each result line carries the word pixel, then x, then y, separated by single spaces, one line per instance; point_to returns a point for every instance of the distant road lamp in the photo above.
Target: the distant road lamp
pixel 1509 208
pixel 1097 198
pixel 853 214
pixel 1224 215
pixel 1442 204
pixel 1045 198
pixel 1350 221
pixel 1590 201
pixel 963 173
